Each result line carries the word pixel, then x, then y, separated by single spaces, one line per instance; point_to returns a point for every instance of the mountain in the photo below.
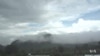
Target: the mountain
pixel 23 48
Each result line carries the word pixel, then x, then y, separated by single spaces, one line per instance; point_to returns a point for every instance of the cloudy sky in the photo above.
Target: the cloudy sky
pixel 60 17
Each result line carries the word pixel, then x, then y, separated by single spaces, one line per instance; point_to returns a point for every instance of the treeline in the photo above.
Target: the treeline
pixel 18 48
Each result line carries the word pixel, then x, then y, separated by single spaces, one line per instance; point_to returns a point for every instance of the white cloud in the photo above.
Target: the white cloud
pixel 68 9
pixel 55 27
pixel 80 26
pixel 31 17
pixel 86 25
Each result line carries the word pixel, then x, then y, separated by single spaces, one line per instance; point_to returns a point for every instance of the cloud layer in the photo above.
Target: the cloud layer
pixel 31 17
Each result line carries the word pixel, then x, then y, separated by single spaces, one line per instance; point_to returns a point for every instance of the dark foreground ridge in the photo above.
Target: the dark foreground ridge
pixel 18 48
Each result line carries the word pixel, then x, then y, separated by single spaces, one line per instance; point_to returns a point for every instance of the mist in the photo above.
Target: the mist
pixel 68 38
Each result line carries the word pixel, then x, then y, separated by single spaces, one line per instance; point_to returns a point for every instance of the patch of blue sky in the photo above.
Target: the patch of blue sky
pixel 95 15
pixel 34 25
pixel 69 23
pixel 29 30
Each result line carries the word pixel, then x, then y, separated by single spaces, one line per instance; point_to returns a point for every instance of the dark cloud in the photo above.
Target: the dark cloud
pixel 22 10
pixel 19 11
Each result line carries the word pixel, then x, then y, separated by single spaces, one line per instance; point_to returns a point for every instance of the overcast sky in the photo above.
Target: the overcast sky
pixel 60 17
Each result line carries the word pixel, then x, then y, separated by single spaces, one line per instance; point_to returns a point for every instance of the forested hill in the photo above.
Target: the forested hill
pixel 19 48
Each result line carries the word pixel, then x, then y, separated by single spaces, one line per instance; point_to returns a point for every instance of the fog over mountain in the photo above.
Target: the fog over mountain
pixel 69 38
pixel 57 21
